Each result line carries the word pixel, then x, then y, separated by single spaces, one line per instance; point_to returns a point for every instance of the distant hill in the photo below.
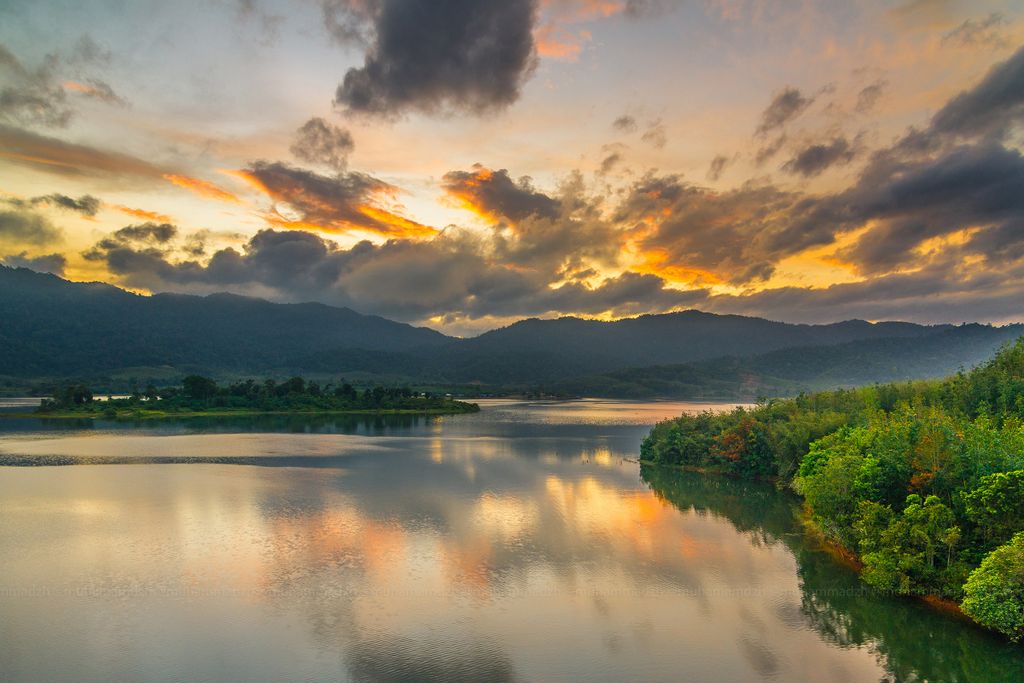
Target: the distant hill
pixel 545 350
pixel 49 326
pixel 790 371
pixel 53 328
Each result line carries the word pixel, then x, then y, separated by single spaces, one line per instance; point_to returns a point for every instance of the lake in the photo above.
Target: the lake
pixel 522 543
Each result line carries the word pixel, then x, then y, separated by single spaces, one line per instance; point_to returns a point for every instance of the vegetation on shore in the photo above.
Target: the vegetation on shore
pixel 198 395
pixel 923 481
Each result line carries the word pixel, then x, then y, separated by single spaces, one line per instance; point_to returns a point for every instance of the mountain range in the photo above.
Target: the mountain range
pixel 51 328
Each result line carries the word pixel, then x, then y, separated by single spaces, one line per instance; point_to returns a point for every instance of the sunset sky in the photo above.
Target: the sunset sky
pixel 464 164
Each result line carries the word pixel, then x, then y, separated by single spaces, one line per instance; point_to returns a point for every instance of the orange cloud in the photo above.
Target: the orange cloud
pixel 308 201
pixel 574 11
pixel 65 158
pixel 203 188
pixel 555 42
pixel 656 262
pixel 142 213
pixel 552 37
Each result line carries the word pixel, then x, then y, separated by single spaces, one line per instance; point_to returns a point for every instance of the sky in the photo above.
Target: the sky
pixel 463 164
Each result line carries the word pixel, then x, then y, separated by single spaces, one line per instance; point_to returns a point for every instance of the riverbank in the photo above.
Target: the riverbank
pixel 144 414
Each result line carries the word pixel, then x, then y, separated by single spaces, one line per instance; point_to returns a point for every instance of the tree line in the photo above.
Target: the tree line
pixel 922 481
pixel 197 393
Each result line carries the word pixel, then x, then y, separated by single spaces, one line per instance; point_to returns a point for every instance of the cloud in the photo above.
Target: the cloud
pixel 609 162
pixel 718 166
pixel 973 187
pixel 47 263
pixel 495 195
pixel 694 235
pixel 26 227
pixel 973 32
pixel 96 89
pixel 408 280
pixel 462 56
pixel 869 95
pixel 625 124
pixel 992 107
pixel 655 135
pixel 769 149
pixel 342 203
pixel 29 96
pixel 142 213
pixel 203 188
pixel 147 232
pixel 43 153
pixel 814 159
pixel 557 42
pixel 319 142
pixel 784 107
pixel 87 205
pixel 36 96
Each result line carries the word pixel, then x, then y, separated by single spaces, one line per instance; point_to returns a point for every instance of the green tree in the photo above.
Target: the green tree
pixel 198 387
pixel 994 593
pixel 996 506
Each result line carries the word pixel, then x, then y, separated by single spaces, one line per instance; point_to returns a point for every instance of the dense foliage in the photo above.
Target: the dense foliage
pixel 921 480
pixel 994 593
pixel 202 394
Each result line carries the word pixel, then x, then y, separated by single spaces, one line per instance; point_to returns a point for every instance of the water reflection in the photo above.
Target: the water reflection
pixel 910 640
pixel 499 546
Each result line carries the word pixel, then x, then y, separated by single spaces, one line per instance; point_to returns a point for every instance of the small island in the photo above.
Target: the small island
pixel 202 396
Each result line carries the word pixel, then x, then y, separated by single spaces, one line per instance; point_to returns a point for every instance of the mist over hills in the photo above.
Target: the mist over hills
pixel 52 328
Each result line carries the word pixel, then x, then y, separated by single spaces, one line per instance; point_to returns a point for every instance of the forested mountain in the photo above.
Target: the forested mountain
pixel 52 328
pixel 49 326
pixel 790 371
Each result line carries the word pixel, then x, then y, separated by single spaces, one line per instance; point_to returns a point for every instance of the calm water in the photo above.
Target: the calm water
pixel 521 543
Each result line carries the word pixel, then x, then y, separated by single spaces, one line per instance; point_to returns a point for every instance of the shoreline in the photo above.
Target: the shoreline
pixel 163 414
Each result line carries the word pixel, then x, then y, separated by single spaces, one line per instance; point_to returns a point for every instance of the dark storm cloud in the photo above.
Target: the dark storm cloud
pixel 563 242
pixel 625 124
pixel 402 279
pixel 147 232
pixel 814 159
pixel 974 186
pixel 319 142
pixel 726 234
pixel 784 107
pixel 151 239
pixel 23 226
pixel 47 263
pixel 87 205
pixel 992 107
pixel 461 56
pixel 495 194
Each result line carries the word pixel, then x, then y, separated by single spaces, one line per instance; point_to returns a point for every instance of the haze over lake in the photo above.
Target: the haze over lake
pixel 520 543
